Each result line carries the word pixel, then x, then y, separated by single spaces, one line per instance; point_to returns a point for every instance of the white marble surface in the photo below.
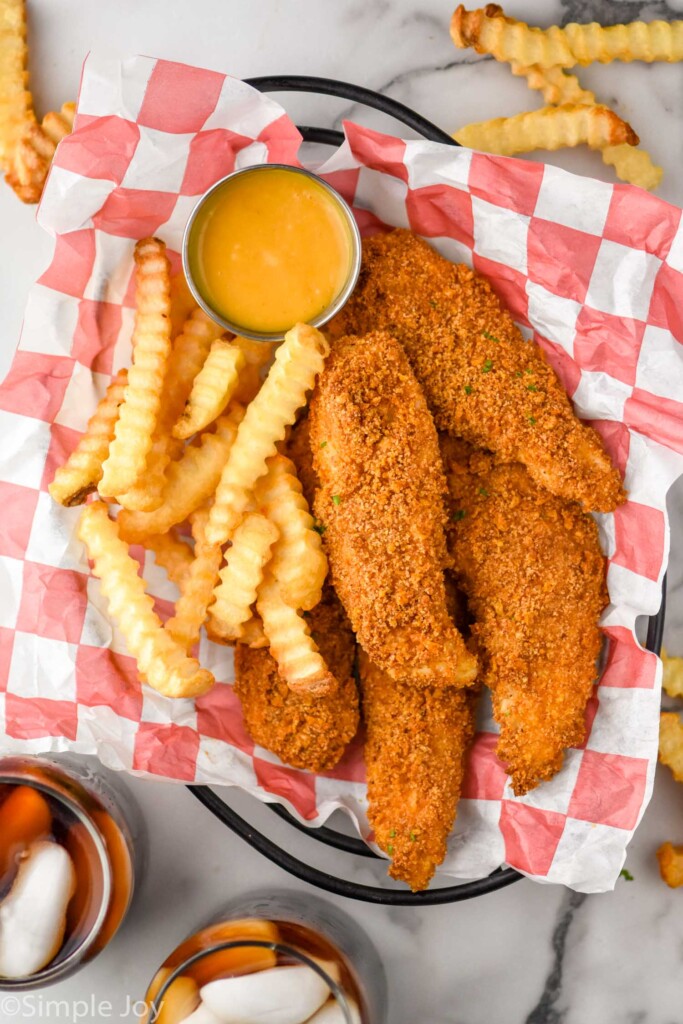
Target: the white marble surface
pixel 528 953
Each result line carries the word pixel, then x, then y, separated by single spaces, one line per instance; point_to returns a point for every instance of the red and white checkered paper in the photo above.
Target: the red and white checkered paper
pixel 594 272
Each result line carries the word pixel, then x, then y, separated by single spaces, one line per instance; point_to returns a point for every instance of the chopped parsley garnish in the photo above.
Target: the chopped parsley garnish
pixel 390 849
pixel 413 837
pixel 392 834
pixel 468 389
pixel 531 387
pixel 319 527
pixel 624 873
pixel 518 373
pixel 488 366
pixel 484 493
pixel 323 444
pixel 459 514
pixel 336 499
pixel 433 304
pixel 490 337
pixel 529 371
pixel 532 420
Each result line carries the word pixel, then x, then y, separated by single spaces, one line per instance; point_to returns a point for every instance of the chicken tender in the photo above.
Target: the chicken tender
pixel 381 505
pixel 482 380
pixel 417 739
pixel 534 575
pixel 304 731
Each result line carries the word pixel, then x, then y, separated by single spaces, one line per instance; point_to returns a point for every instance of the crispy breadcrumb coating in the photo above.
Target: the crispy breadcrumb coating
pixel 531 566
pixel 417 738
pixel 303 730
pixel 482 380
pixel 381 504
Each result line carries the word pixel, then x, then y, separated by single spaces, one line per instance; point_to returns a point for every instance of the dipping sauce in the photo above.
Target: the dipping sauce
pixel 270 247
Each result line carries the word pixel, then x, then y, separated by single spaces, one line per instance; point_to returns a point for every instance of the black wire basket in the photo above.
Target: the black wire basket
pixel 346 844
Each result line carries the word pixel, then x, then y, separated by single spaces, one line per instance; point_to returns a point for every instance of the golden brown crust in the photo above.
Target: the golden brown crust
pixel 417 738
pixel 534 574
pixel 304 731
pixel 381 502
pixel 482 380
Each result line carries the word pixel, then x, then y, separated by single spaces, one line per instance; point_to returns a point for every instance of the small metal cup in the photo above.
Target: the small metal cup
pixel 338 301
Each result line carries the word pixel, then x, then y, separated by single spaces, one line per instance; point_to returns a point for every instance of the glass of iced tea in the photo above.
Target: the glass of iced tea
pixel 71 844
pixel 287 958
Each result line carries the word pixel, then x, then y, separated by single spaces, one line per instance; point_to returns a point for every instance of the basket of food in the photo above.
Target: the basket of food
pixel 312 559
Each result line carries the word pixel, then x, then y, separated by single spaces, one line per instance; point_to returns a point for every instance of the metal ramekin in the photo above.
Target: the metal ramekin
pixel 338 302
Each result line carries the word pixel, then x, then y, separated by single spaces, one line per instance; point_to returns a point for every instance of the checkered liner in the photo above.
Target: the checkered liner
pixel 593 271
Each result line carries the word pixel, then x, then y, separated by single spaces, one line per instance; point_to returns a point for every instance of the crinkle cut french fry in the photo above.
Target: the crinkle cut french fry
pixel 172 554
pixel 556 85
pixel 161 661
pixel 241 575
pixel 299 661
pixel 187 355
pixel 212 389
pixel 16 105
pixel 31 158
pixel 633 165
pixel 298 361
pixel 671 743
pixel 548 128
pixel 138 415
pixel 257 355
pixel 81 472
pixel 488 30
pixel 197 590
pixel 299 563
pixel 183 303
pixel 189 482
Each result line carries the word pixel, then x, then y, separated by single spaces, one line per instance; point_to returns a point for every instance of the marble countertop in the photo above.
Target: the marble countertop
pixel 529 953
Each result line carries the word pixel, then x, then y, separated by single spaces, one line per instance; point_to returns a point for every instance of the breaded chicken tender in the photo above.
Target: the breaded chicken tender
pixel 531 566
pixel 303 730
pixel 417 738
pixel 482 380
pixel 381 505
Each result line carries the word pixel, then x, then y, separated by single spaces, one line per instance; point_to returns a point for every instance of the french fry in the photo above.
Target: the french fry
pixel 31 158
pixel 633 165
pixel 161 661
pixel 241 575
pixel 197 590
pixel 488 30
pixel 189 482
pixel 548 128
pixel 299 661
pixel 299 563
pixel 670 859
pixel 183 303
pixel 671 743
pixel 188 353
pixel 672 679
pixel 16 105
pixel 138 415
pixel 555 84
pixel 651 41
pixel 257 354
pixel 172 554
pixel 559 87
pixel 212 389
pixel 298 361
pixel 252 633
pixel 81 472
